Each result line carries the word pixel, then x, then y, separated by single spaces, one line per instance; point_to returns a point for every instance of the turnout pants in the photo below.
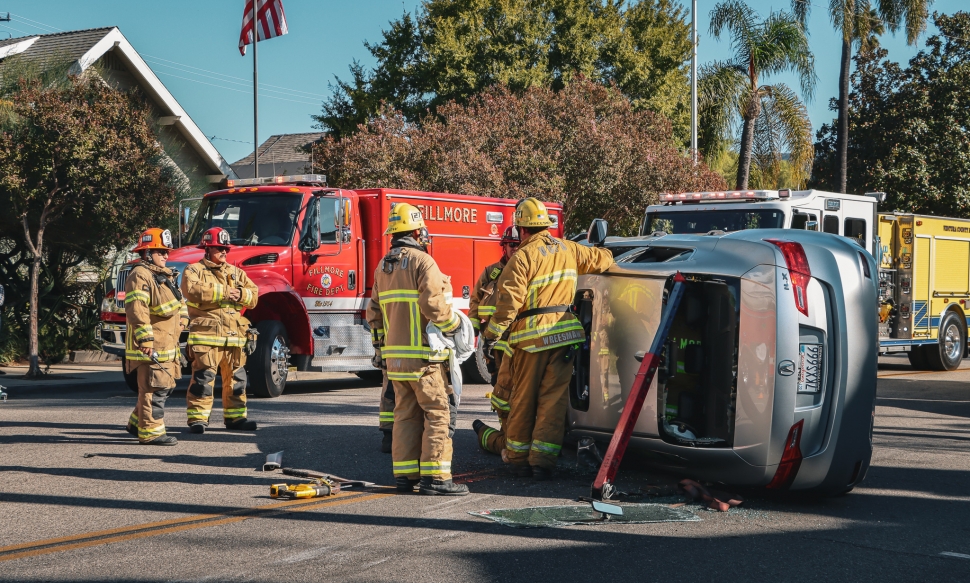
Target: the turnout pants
pixel 537 417
pixel 422 419
pixel 493 440
pixel 154 387
pixel 387 405
pixel 206 363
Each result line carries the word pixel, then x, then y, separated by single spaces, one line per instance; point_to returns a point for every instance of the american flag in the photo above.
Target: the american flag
pixel 269 15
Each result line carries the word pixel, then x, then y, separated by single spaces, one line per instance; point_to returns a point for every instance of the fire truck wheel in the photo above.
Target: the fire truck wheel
pixel 947 353
pixel 268 366
pixel 131 379
pixel 474 369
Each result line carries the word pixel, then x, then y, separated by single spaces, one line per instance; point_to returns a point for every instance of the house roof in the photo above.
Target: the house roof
pixel 85 47
pixel 283 148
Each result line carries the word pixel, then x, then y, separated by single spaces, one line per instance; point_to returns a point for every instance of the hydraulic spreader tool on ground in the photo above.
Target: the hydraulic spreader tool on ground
pixel 603 488
pixel 323 485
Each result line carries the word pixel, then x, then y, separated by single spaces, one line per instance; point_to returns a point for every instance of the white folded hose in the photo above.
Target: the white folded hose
pixel 460 347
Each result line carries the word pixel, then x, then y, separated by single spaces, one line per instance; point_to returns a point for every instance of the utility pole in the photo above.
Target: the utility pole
pixel 255 94
pixel 693 82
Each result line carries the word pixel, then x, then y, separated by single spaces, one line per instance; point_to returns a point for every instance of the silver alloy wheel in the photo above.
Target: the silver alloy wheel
pixel 279 360
pixel 951 342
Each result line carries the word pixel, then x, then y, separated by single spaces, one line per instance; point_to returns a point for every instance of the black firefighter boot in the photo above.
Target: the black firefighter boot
pixel 386 441
pixel 163 440
pixel 432 487
pixel 404 484
pixel 241 424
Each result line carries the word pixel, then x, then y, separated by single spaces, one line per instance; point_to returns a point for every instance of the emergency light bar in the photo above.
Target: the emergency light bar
pixel 724 196
pixel 321 178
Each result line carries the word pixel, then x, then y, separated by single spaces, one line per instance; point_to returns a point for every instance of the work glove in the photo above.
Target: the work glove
pixel 377 361
pixel 488 345
pixel 251 337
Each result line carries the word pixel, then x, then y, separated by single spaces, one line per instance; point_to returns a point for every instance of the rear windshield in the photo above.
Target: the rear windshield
pixel 702 221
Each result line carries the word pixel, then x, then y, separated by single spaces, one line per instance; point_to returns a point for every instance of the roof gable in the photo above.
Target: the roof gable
pixel 85 47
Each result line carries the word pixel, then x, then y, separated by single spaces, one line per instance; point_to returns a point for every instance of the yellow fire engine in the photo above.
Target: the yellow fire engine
pixel 924 288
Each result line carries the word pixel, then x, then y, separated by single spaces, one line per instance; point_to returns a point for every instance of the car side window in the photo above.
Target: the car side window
pixel 830 224
pixel 855 229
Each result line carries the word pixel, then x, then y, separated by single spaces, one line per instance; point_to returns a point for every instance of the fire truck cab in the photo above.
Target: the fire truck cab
pixel 312 250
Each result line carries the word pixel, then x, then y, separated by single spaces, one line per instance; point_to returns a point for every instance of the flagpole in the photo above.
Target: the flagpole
pixel 255 94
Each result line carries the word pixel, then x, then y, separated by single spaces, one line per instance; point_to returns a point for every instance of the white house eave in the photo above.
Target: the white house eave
pixel 156 90
pixel 17 48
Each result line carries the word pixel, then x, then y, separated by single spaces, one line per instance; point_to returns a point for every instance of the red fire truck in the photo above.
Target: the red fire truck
pixel 312 251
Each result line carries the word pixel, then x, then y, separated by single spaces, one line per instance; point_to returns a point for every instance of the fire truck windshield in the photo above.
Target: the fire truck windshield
pixel 703 221
pixel 251 219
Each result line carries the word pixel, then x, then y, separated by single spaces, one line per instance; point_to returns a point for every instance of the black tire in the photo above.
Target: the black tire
pixel 474 371
pixel 268 366
pixel 372 376
pixel 948 352
pixel 131 379
pixel 917 357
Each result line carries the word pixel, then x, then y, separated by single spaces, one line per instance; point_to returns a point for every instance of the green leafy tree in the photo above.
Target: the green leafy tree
pixel 908 126
pixel 584 146
pixel 773 120
pixel 450 50
pixel 81 170
pixel 859 22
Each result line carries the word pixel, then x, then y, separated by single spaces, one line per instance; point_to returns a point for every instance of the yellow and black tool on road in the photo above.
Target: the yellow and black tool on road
pixel 322 485
pixel 318 489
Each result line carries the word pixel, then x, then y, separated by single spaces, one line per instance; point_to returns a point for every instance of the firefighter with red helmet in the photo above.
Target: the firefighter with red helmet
pixel 481 309
pixel 155 315
pixel 216 294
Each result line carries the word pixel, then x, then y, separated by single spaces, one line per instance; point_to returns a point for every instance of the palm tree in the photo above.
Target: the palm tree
pixel 860 21
pixel 773 118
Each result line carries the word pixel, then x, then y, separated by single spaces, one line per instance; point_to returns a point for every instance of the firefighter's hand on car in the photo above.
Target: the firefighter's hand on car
pixel 234 294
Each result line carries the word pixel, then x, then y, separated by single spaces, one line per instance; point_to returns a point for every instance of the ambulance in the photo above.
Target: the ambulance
pixel 312 250
pixel 924 261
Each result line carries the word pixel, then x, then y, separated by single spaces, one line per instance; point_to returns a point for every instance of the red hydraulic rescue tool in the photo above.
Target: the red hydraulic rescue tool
pixel 603 487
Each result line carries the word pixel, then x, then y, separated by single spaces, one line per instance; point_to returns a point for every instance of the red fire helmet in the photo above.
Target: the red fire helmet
pixel 215 237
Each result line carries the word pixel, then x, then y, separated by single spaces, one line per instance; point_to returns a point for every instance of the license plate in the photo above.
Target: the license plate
pixel 810 368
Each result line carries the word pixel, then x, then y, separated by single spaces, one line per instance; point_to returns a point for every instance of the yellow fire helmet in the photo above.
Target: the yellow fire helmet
pixel 530 212
pixel 404 218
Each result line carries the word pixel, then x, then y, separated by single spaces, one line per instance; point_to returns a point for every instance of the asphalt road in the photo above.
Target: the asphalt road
pixel 81 501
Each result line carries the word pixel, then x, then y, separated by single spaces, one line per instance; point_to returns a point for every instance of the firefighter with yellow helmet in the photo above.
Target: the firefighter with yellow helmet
pixel 535 292
pixel 408 292
pixel 155 315
pixel 216 293
pixel 481 306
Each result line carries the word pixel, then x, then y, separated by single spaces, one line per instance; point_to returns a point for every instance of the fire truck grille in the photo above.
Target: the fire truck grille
pixel 338 337
pixel 122 277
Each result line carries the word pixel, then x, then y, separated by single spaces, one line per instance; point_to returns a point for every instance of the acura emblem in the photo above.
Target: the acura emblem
pixel 786 368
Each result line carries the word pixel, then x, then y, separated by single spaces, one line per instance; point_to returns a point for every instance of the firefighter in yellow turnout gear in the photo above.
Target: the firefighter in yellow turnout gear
pixel 535 293
pixel 481 309
pixel 408 292
pixel 215 292
pixel 155 316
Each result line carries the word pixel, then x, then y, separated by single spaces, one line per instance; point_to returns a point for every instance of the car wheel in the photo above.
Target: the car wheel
pixel 131 378
pixel 917 357
pixel 268 366
pixel 475 370
pixel 947 353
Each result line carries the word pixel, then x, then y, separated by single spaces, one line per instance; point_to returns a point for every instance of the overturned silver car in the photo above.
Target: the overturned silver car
pixel 768 376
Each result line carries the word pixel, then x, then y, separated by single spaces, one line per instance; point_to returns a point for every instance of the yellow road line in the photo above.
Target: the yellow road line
pixel 138 531
pixel 903 374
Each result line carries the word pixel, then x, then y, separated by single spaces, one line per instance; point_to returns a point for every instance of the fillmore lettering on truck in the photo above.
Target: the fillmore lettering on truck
pixel 455 214
pixel 956 229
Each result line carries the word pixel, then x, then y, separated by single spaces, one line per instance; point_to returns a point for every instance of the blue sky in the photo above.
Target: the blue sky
pixel 192 46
